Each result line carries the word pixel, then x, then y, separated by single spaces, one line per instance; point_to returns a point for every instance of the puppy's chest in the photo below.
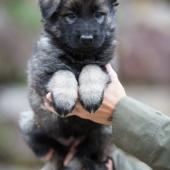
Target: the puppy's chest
pixel 76 63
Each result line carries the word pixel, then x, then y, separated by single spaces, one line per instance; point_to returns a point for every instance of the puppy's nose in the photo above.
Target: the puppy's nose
pixel 87 39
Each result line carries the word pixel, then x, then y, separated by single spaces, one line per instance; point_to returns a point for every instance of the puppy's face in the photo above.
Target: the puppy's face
pixel 80 25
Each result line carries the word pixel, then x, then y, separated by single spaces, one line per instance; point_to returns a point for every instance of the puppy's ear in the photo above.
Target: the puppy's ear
pixel 48 7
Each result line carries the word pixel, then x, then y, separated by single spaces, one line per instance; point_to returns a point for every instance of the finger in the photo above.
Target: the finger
pixel 72 151
pixel 69 158
pixel 111 72
pixel 49 108
pixel 79 111
pixel 49 155
pixel 49 97
pixel 48 103
pixel 109 165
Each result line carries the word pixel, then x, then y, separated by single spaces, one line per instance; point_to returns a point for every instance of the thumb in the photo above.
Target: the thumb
pixel 111 72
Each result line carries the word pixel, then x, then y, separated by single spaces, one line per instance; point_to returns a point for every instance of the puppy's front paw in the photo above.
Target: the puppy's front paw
pixel 93 81
pixel 64 101
pixel 63 87
pixel 91 97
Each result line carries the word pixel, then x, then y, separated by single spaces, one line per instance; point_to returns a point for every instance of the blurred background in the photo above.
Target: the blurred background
pixel 143 64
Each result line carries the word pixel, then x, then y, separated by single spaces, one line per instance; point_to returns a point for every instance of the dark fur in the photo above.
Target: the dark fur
pixel 62 47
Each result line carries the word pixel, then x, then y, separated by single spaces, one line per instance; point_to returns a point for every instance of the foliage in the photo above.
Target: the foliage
pixel 24 13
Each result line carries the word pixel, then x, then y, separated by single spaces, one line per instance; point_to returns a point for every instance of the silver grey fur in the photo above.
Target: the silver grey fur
pixel 64 88
pixel 62 63
pixel 26 121
pixel 92 82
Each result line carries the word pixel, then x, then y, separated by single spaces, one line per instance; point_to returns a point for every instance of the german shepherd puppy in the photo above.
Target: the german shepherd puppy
pixel 77 42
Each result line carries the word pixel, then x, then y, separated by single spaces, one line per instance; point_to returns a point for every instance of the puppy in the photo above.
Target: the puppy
pixel 69 60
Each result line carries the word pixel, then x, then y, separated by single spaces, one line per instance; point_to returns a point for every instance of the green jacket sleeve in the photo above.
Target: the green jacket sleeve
pixel 142 132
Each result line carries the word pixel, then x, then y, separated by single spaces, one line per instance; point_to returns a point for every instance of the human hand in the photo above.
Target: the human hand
pixel 74 143
pixel 71 154
pixel 112 96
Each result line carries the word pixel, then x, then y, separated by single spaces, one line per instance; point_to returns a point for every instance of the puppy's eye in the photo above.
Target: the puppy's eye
pixel 115 3
pixel 70 18
pixel 100 17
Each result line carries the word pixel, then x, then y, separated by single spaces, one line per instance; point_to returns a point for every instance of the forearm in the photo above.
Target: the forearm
pixel 142 132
